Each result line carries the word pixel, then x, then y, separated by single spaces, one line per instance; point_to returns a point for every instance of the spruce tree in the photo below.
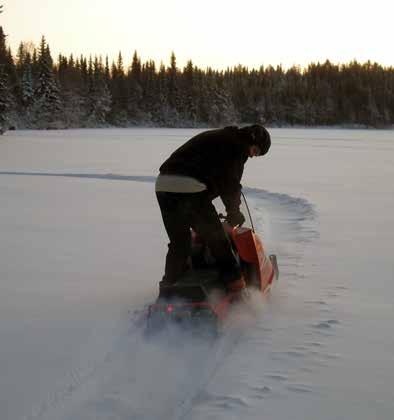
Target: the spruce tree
pixel 173 94
pixel 72 91
pixel 99 99
pixel 5 90
pixel 221 107
pixel 20 59
pixel 27 92
pixel 136 68
pixel 135 89
pixel 173 88
pixel 149 91
pixel 190 95
pixel 119 93
pixel 34 65
pixel 24 73
pixel 5 102
pixel 3 47
pixel 48 105
pixel 161 110
pixel 202 98
pixel 107 74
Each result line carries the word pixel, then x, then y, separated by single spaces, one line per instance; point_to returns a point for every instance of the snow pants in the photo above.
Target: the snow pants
pixel 182 211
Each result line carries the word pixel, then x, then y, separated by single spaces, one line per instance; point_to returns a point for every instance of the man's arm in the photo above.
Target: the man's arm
pixel 232 200
pixel 231 191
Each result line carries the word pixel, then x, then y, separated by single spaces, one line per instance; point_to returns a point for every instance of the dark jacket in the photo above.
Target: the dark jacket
pixel 216 158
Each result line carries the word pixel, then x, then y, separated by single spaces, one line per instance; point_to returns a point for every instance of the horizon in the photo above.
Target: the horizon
pixel 153 31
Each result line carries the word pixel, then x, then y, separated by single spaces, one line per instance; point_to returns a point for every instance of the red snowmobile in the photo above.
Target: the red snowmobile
pixel 199 296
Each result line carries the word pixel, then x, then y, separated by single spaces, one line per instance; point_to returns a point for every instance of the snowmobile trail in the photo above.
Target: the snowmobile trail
pixel 169 376
pixel 146 379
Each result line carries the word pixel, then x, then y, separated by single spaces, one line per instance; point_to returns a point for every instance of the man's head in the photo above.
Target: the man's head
pixel 259 139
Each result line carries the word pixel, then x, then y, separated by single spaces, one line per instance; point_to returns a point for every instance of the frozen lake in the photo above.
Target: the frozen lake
pixel 82 250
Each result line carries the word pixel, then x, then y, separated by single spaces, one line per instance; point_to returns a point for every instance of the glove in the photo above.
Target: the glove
pixel 235 218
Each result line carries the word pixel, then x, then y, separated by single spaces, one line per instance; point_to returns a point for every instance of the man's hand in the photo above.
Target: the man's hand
pixel 235 218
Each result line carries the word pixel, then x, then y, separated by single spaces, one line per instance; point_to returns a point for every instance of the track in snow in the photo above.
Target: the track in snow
pixel 167 378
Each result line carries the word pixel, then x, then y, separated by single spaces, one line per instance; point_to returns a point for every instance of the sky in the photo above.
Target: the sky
pixel 215 33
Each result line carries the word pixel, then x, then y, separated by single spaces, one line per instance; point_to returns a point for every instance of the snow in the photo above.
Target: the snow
pixel 82 250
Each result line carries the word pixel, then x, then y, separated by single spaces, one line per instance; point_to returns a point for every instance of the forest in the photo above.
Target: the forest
pixel 39 92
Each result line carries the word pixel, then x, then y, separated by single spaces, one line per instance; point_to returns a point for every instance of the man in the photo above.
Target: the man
pixel 205 167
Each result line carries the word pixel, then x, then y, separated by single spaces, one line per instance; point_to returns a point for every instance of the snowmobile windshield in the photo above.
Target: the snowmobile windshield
pixel 243 208
pixel 245 211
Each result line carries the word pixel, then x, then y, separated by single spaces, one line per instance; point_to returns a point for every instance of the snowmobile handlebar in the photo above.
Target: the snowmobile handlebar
pixel 225 219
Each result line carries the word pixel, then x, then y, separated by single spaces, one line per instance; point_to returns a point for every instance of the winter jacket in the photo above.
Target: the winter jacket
pixel 217 159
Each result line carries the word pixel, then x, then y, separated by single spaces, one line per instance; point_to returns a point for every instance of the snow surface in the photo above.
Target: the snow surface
pixel 82 250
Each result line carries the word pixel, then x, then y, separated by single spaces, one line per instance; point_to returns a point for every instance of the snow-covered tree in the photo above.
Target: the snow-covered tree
pixel 99 97
pixel 135 91
pixel 172 116
pixel 48 106
pixel 5 91
pixel 5 101
pixel 25 75
pixel 3 47
pixel 160 107
pixel 222 111
pixel 27 91
pixel 119 91
pixel 189 94
pixel 107 73
pixel 173 83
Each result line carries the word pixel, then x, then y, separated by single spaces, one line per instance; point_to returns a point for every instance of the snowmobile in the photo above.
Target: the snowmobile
pixel 199 297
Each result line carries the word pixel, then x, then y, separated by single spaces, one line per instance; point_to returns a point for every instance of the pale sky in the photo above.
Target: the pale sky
pixel 216 33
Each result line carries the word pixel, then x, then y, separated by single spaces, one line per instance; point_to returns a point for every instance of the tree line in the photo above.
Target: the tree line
pixel 36 92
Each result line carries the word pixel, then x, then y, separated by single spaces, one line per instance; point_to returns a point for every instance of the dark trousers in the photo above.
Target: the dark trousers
pixel 182 211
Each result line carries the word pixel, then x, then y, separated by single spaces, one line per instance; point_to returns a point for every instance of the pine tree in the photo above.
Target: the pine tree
pixel 221 109
pixel 83 64
pixel 99 99
pixel 107 74
pixel 149 102
pixel 5 102
pixel 72 91
pixel 48 104
pixel 161 108
pixel 136 68
pixel 3 47
pixel 6 99
pixel 35 66
pixel 119 93
pixel 173 88
pixel 173 94
pixel 189 94
pixel 135 89
pixel 27 92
